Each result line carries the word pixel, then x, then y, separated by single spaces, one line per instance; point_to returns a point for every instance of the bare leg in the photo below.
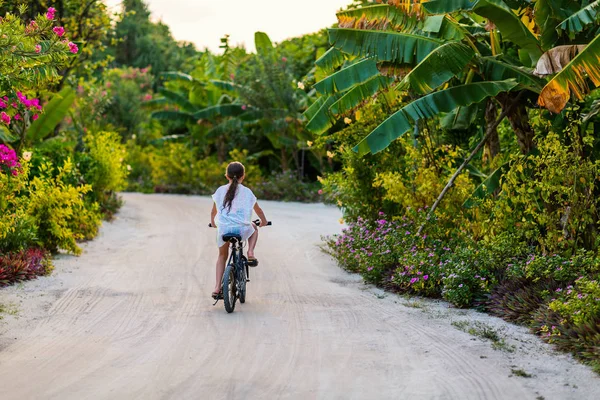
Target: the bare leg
pixel 221 260
pixel 252 242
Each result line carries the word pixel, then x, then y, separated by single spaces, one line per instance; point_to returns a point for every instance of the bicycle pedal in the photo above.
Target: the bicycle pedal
pixel 247 279
pixel 253 263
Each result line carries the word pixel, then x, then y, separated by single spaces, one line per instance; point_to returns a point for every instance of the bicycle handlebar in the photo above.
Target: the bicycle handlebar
pixel 257 222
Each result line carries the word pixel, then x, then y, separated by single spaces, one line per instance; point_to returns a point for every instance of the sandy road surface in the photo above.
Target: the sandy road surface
pixel 132 319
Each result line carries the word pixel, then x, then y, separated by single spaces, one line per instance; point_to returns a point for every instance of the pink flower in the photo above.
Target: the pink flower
pixel 50 13
pixel 35 117
pixel 148 97
pixel 425 277
pixel 320 191
pixel 108 85
pixel 284 59
pixel 17 117
pixel 3 104
pixel 38 48
pixel 59 30
pixel 244 107
pixel 231 76
pixel 73 48
pixel 5 117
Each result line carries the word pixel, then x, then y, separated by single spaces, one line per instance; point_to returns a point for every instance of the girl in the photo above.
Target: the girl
pixel 232 213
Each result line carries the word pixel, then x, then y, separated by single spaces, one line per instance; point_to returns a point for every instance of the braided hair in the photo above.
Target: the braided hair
pixel 235 172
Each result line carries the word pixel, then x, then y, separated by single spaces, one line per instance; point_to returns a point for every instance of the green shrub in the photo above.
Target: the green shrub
pixel 286 186
pixel 61 211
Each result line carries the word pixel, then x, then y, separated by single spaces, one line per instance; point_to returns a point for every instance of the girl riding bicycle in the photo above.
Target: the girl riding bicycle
pixel 232 213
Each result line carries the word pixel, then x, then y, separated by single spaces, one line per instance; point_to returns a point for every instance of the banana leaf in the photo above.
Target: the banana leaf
pixel 487 187
pixel 396 47
pixel 427 107
pixel 225 110
pixel 496 70
pixel 378 17
pixel 179 76
pixel 584 17
pixel 438 67
pixel 263 44
pixel 348 77
pixel 179 116
pixel 360 93
pixel 460 118
pixel 448 6
pixel 6 136
pixel 54 112
pixel 178 99
pixel 573 79
pixel 332 59
pixel 511 27
pixel 319 116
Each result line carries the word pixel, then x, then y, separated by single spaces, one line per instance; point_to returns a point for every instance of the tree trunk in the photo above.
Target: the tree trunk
pixel 519 121
pixel 221 149
pixel 284 160
pixel 492 146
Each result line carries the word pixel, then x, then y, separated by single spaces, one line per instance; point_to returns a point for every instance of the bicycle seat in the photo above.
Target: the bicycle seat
pixel 228 237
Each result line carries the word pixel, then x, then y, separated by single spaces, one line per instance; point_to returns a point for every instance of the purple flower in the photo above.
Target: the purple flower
pixel 425 277
pixel 414 280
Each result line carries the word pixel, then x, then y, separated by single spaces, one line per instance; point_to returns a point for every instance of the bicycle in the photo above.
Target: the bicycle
pixel 237 273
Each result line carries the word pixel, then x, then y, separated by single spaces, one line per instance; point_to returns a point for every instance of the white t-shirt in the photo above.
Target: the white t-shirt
pixel 237 220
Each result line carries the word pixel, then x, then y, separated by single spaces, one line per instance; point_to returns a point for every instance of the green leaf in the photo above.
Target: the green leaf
pixel 578 21
pixel 433 23
pixel 224 85
pixel 511 27
pixel 179 116
pixel 396 47
pixel 331 60
pixel 496 70
pixel 348 77
pixel 178 99
pixel 225 110
pixel 438 67
pixel 460 118
pixel 319 116
pixel 263 44
pixel 427 107
pixel 487 187
pixel 6 136
pixel 54 112
pixel 355 96
pixel 177 76
pixel 448 6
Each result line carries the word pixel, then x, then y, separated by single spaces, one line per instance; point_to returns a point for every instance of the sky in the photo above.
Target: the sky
pixel 204 22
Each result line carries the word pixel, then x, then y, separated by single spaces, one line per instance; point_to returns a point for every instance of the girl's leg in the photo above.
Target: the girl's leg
pixel 252 242
pixel 221 260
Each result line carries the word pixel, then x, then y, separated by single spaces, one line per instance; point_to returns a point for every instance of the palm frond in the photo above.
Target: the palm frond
pixel 318 115
pixel 378 17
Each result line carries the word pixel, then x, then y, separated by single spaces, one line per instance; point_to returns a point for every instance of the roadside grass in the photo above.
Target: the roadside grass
pixel 486 332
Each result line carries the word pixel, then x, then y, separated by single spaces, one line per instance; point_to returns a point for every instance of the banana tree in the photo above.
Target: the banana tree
pixel 434 47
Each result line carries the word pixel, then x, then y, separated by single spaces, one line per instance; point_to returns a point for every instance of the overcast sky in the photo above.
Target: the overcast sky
pixel 204 22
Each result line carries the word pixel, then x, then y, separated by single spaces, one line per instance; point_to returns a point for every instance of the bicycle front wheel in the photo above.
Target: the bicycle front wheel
pixel 229 288
pixel 242 282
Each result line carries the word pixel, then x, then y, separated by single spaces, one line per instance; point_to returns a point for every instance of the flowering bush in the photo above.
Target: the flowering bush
pixel 9 162
pixel 32 53
pixel 579 302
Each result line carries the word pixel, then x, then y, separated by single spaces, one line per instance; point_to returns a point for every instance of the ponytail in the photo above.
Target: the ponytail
pixel 235 172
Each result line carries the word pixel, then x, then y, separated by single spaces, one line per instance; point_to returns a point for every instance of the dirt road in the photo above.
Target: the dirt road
pixel 132 318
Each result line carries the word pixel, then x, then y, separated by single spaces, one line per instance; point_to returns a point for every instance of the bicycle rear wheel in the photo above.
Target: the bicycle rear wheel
pixel 229 288
pixel 242 282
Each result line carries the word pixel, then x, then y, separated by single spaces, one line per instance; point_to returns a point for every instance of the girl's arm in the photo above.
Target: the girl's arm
pixel 261 214
pixel 213 214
